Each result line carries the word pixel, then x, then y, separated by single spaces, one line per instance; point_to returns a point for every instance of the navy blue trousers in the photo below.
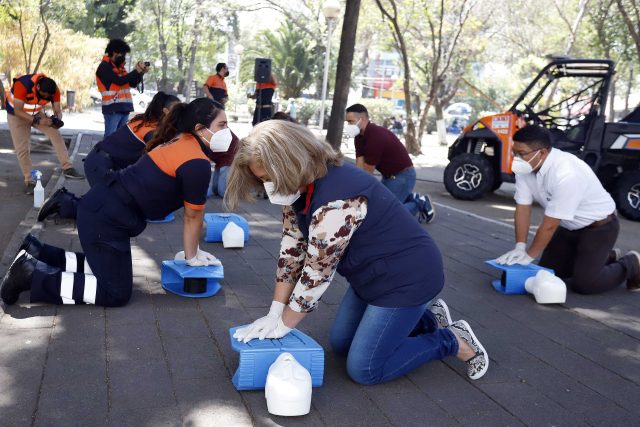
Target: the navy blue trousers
pixel 96 168
pixel 106 219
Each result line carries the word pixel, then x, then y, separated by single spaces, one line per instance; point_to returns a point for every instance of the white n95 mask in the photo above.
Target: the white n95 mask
pixel 352 130
pixel 279 199
pixel 520 166
pixel 220 141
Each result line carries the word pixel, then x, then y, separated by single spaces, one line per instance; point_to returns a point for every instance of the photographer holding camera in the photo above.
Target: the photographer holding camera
pixel 25 108
pixel 114 83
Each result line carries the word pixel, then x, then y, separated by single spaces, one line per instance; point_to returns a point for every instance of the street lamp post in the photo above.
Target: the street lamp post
pixel 331 11
pixel 238 50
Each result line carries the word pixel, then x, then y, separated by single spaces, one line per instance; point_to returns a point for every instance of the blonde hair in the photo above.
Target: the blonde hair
pixel 290 154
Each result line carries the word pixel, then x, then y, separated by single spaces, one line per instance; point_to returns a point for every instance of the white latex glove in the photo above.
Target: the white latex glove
pixel 279 331
pixel 518 255
pixel 263 326
pixel 202 258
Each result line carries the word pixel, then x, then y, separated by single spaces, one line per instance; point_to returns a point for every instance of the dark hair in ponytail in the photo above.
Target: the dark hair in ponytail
pixel 184 118
pixel 154 112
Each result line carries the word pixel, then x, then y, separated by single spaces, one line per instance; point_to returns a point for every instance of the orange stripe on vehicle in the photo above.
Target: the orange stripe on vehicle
pixel 633 144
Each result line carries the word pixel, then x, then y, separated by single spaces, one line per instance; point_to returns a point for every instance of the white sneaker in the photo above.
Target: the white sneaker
pixel 441 313
pixel 478 365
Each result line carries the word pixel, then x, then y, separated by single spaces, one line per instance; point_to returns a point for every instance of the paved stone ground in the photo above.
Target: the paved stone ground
pixel 165 360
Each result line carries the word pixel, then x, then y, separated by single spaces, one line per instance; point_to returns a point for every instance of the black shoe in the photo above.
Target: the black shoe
pixel 18 278
pixel 31 245
pixel 52 204
pixel 29 187
pixel 71 173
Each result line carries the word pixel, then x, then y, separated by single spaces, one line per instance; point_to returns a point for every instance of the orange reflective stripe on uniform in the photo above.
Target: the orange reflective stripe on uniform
pixel 114 93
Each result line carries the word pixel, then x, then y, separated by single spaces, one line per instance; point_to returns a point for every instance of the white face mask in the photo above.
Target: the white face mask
pixel 220 141
pixel 279 199
pixel 520 166
pixel 352 130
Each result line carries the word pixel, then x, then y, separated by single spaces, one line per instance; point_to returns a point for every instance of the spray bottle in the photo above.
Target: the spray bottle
pixel 38 192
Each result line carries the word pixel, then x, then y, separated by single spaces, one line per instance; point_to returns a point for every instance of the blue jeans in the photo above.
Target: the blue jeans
pixel 218 183
pixel 113 121
pixel 384 343
pixel 401 186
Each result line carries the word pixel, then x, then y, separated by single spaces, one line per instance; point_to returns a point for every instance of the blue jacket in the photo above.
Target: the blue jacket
pixel 391 261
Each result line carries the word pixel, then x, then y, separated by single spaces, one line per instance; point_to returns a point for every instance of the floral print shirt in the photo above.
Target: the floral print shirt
pixel 310 264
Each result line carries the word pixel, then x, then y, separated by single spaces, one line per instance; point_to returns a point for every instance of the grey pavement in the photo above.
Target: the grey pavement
pixel 166 360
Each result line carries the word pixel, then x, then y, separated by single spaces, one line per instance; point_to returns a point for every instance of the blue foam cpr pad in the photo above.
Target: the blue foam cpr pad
pixel 216 222
pixel 167 218
pixel 191 282
pixel 256 357
pixel 514 276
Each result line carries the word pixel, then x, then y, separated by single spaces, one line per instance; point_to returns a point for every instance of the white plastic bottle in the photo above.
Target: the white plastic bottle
pixel 38 192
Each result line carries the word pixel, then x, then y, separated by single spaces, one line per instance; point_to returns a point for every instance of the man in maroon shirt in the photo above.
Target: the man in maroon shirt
pixel 378 148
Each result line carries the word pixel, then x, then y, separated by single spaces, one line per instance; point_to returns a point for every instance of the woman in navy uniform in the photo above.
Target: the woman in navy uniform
pixel 117 151
pixel 337 217
pixel 174 172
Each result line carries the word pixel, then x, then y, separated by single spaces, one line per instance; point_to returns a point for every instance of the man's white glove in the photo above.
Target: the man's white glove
pixel 269 326
pixel 518 255
pixel 202 258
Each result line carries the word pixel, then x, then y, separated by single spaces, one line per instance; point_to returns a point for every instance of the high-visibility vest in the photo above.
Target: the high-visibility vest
pixel 32 105
pixel 114 93
pixel 268 85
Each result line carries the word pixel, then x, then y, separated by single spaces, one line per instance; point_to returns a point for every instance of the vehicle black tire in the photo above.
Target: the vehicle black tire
pixel 497 182
pixel 627 195
pixel 469 176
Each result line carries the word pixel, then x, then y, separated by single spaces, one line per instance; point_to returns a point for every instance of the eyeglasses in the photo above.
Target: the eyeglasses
pixel 521 155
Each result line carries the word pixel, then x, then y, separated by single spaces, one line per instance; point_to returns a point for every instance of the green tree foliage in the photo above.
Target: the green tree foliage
pixel 102 18
pixel 293 61
pixel 181 35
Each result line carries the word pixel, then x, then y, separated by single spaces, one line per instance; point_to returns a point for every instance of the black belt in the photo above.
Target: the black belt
pixel 602 222
pixel 398 173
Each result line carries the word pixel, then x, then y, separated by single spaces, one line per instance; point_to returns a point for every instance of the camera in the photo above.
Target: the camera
pixel 56 123
pixel 147 63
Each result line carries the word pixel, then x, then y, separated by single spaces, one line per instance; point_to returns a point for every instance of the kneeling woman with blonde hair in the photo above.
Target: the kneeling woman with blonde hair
pixel 339 218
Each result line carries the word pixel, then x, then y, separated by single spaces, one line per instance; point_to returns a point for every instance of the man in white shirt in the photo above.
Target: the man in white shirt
pixel 580 225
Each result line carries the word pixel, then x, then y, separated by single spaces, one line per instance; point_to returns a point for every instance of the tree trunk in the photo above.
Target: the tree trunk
pixel 413 145
pixel 343 73
pixel 612 96
pixel 47 36
pixel 440 124
pixel 162 43
pixel 192 58
pixel 631 26
pixel 629 87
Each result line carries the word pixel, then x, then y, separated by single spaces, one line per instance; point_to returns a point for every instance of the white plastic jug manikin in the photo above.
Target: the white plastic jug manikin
pixel 547 288
pixel 288 387
pixel 233 236
pixel 38 191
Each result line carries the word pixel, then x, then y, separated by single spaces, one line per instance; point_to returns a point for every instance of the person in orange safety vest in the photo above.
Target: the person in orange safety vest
pixel 25 109
pixel 215 88
pixel 114 83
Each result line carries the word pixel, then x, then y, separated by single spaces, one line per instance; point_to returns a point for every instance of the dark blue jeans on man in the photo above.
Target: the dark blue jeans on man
pixel 113 121
pixel 381 342
pixel 401 185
